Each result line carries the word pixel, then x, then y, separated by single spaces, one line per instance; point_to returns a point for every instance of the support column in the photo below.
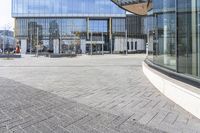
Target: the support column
pixel 37 46
pixel 91 44
pixel 88 28
pixel 102 43
pixel 126 41
pixel 23 46
pixel 194 40
pixel 110 35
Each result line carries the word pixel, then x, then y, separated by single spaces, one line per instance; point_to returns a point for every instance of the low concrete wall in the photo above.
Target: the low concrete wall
pixel 9 56
pixel 186 96
pixel 60 55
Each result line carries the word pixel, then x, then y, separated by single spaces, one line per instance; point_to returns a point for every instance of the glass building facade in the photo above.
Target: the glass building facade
pixel 72 22
pixel 174 35
pixel 69 8
pixel 7 39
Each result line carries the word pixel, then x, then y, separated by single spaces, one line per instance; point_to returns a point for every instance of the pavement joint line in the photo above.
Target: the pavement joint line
pixel 152 118
pixel 175 120
pixel 37 122
pixel 77 120
pixel 156 104
pixel 125 120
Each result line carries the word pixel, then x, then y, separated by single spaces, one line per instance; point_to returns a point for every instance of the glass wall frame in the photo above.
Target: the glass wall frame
pixel 185 24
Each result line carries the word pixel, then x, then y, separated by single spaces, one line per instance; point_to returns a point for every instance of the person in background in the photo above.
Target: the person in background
pixel 17 49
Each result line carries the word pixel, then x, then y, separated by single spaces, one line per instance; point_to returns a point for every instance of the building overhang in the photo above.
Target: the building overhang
pixel 138 7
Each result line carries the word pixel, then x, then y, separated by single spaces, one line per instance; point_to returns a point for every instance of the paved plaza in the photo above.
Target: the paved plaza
pixel 86 94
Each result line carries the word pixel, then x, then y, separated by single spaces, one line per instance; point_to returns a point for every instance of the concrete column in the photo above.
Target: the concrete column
pixel 23 46
pixel 88 28
pixel 91 44
pixel 126 40
pixel 102 43
pixel 110 35
pixel 194 39
pixel 83 46
pixel 56 46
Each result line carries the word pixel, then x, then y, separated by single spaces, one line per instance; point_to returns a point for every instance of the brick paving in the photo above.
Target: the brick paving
pixel 85 94
pixel 24 109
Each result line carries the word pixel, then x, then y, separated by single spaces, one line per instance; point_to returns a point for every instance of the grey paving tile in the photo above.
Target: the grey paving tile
pixel 86 94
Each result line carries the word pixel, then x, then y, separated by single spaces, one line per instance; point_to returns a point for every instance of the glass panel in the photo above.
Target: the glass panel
pixel 136 45
pixel 67 8
pixel 176 35
pixel 128 48
pixel 98 26
pixel 187 38
pixel 198 36
pixel 149 29
pixel 118 25
pixel 165 36
pixel 132 45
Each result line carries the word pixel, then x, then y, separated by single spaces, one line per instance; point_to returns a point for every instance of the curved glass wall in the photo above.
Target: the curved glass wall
pixel 59 8
pixel 175 35
pixel 164 33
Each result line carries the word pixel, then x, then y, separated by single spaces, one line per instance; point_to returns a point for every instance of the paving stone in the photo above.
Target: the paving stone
pixel 60 129
pixel 94 94
pixel 3 129
pixel 31 129
pixel 17 130
pixel 148 117
pixel 42 127
pixel 74 129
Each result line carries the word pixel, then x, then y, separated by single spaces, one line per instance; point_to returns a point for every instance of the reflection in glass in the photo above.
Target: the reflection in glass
pixel 175 35
pixel 66 7
pixel 69 31
pixel 164 37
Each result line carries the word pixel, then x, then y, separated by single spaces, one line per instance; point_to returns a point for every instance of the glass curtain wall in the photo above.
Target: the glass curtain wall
pixel 67 30
pixel 176 35
pixel 149 29
pixel 98 30
pixel 65 8
pixel 187 37
pixel 198 35
pixel 165 33
pixel 118 34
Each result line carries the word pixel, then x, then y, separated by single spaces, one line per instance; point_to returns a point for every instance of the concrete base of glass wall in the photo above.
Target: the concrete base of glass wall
pixel 185 95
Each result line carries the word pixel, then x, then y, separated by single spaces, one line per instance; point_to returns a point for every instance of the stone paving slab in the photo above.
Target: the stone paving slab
pixel 86 94
pixel 22 113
